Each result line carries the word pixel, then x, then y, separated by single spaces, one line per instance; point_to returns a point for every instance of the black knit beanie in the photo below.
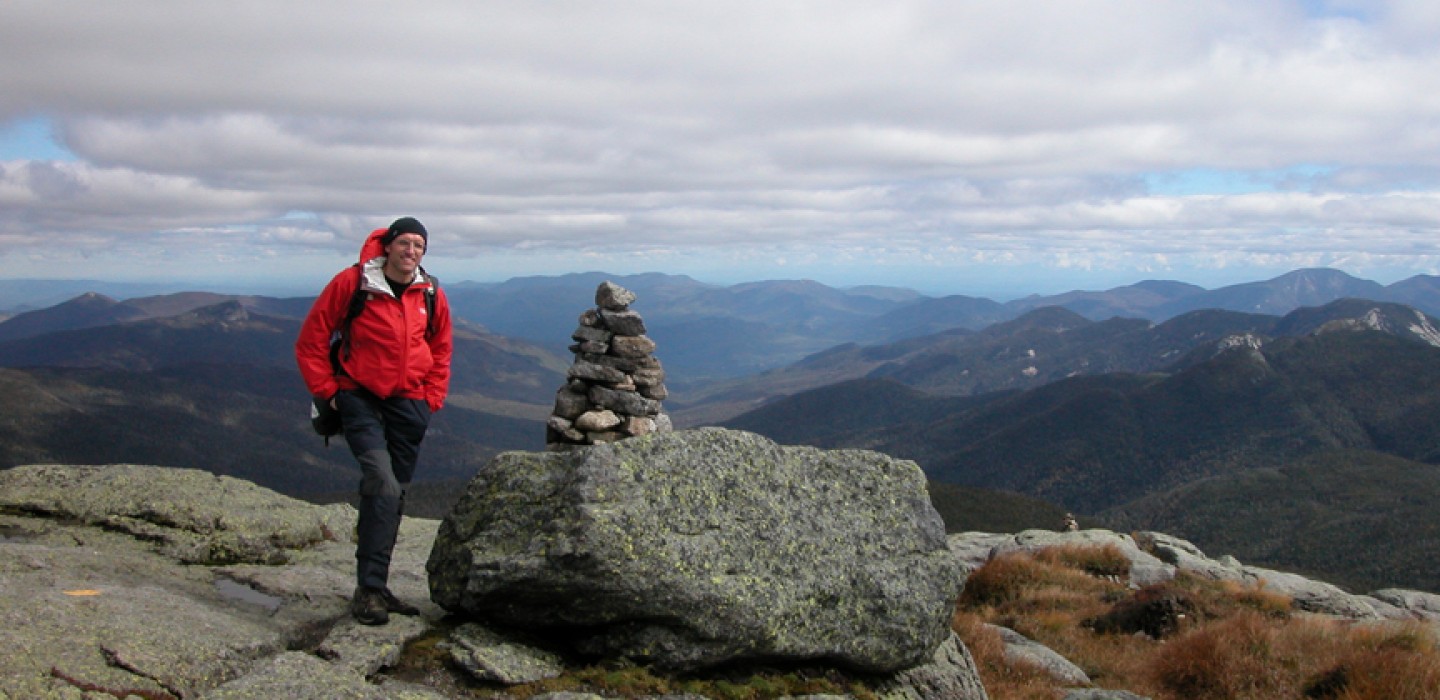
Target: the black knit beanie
pixel 405 224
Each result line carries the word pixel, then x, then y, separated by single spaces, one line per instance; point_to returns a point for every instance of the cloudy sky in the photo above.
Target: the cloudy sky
pixel 990 148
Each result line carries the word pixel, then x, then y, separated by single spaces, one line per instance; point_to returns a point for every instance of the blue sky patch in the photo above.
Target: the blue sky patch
pixel 1197 181
pixel 32 138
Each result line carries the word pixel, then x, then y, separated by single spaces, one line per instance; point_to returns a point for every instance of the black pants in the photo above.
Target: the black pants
pixel 384 435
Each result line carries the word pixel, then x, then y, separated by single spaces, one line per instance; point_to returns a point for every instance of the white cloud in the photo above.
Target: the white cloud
pixel 918 133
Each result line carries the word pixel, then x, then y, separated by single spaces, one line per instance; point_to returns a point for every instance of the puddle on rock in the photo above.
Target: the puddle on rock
pixel 234 590
pixel 9 534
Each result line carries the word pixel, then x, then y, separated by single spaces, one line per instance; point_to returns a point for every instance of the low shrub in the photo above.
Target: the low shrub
pixel 1389 662
pixel 1157 611
pixel 1011 578
pixel 1251 656
pixel 1233 659
pixel 1232 595
pixel 1106 560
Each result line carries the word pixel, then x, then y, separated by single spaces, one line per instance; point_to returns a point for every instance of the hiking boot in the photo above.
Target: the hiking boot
pixel 368 607
pixel 397 606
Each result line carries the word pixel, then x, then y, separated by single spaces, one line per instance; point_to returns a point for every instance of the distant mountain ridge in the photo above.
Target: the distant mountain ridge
pixel 709 333
pixel 1139 300
pixel 1303 387
pixel 216 387
pixel 1044 345
pixel 703 331
pixel 1159 300
pixel 1301 288
pixel 1090 414
pixel 85 311
pixel 1351 390
pixel 864 315
pixel 729 349
pixel 232 333
pixel 92 310
pixel 226 333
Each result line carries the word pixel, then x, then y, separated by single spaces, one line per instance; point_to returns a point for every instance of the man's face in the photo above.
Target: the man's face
pixel 403 255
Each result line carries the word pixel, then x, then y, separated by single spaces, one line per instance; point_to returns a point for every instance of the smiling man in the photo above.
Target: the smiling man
pixel 376 347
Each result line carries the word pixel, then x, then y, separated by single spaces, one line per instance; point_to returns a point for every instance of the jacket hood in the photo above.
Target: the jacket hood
pixel 372 247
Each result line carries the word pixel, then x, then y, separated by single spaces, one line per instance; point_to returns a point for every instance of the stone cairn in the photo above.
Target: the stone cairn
pixel 615 385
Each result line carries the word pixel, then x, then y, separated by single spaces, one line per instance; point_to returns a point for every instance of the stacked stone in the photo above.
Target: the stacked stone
pixel 615 386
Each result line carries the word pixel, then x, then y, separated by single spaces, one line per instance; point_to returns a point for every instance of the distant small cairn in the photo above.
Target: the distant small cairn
pixel 616 384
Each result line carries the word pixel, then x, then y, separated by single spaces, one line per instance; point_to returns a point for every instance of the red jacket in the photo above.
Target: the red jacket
pixel 389 354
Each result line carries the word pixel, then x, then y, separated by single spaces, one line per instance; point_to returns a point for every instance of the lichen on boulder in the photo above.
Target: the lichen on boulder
pixel 703 547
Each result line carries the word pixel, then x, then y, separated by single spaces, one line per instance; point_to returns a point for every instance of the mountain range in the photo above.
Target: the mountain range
pixel 709 332
pixel 1095 442
pixel 216 387
pixel 1346 388
pixel 1137 405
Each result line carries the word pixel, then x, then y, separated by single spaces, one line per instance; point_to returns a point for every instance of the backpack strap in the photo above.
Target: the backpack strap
pixel 340 338
pixel 430 304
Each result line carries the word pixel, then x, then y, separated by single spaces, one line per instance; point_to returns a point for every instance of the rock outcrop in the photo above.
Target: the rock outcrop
pixel 973 549
pixel 703 547
pixel 128 580
pixel 135 581
pixel 1021 650
pixel 191 515
pixel 155 582
pixel 951 674
pixel 615 385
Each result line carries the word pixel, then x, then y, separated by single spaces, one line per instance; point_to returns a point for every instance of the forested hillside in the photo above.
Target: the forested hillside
pixel 1183 451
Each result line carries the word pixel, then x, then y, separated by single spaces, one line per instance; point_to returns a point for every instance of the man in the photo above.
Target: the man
pixel 385 369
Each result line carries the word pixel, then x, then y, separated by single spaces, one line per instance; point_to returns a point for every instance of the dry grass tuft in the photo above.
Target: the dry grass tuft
pixel 1021 579
pixel 1001 679
pixel 1102 561
pixel 1396 662
pixel 1229 597
pixel 1240 657
pixel 1221 640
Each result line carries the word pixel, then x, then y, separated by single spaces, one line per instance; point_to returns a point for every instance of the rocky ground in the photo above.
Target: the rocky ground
pixel 151 582
pixel 132 581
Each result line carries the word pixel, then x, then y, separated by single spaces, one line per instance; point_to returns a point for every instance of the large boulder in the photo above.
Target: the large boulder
pixel 703 547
